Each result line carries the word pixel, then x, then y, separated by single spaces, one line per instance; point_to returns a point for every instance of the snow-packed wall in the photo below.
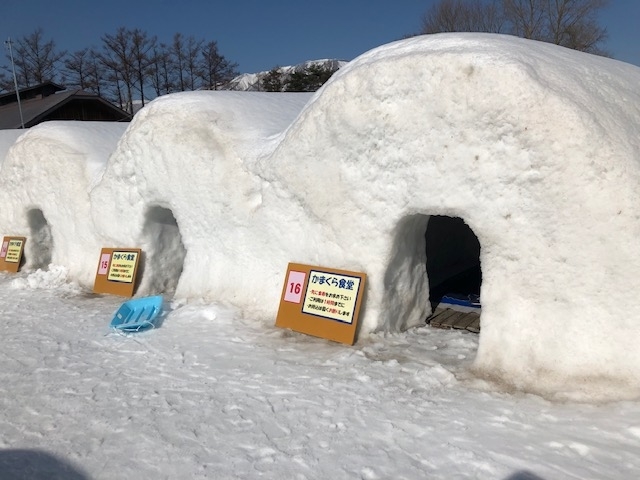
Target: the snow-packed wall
pixel 535 147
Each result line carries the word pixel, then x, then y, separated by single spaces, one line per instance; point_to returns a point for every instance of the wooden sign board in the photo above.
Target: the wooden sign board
pixel 117 271
pixel 11 253
pixel 322 302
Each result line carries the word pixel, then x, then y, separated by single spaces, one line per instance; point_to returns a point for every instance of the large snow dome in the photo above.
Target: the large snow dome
pixel 182 186
pixel 535 147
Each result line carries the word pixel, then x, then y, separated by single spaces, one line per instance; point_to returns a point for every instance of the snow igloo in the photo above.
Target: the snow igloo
pixel 45 181
pixel 182 186
pixel 535 148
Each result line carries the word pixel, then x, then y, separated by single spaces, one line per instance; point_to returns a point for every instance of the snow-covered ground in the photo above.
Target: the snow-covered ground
pixel 213 395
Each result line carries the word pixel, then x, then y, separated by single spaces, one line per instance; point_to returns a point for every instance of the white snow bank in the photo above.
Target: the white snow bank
pixel 44 186
pixel 535 146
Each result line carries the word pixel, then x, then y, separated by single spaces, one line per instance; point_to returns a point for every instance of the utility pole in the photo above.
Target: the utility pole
pixel 15 80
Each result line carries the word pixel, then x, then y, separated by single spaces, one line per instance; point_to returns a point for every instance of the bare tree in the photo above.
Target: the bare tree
pixel 75 72
pixel 463 16
pixel 527 17
pixel 83 70
pixel 215 69
pixel 6 83
pixel 95 73
pixel 570 23
pixel 573 24
pixel 192 51
pixel 179 59
pixel 117 59
pixel 161 73
pixel 128 63
pixel 36 59
pixel 490 17
pixel 142 48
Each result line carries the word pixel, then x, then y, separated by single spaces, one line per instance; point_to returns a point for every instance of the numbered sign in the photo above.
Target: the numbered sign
pixel 105 260
pixel 117 271
pixel 11 253
pixel 322 302
pixel 293 290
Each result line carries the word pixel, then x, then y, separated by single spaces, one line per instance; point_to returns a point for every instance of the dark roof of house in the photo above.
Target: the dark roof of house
pixel 40 90
pixel 36 110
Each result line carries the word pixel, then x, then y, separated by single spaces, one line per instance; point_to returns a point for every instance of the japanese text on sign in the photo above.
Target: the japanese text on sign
pixel 122 268
pixel 331 296
pixel 14 251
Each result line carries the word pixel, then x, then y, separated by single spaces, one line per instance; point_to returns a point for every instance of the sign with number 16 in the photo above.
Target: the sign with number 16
pixel 324 302
pixel 295 281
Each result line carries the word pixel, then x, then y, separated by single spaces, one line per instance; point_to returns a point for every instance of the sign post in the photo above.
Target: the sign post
pixel 117 271
pixel 322 302
pixel 11 253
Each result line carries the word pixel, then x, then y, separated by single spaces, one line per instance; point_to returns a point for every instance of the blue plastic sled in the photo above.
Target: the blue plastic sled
pixel 472 300
pixel 137 314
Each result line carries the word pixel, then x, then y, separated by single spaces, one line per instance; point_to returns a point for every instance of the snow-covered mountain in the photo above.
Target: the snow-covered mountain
pixel 251 82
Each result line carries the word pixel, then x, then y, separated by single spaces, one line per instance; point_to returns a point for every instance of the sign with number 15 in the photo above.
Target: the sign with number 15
pixel 11 253
pixel 117 271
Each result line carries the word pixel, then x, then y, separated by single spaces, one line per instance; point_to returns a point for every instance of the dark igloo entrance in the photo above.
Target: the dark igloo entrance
pixel 453 259
pixel 40 241
pixel 164 252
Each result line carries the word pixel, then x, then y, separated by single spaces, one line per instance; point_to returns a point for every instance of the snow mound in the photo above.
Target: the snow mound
pixel 534 146
pixel 55 277
pixel 44 187
pixel 181 185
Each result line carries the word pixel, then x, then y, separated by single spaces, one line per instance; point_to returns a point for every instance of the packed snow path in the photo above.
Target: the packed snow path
pixel 212 395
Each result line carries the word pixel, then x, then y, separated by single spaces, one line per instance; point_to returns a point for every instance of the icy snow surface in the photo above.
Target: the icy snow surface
pixel 211 394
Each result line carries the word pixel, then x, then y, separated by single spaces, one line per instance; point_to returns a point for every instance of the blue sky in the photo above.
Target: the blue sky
pixel 259 35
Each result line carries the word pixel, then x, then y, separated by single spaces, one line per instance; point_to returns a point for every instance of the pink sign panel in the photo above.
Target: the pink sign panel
pixel 3 252
pixel 295 282
pixel 104 264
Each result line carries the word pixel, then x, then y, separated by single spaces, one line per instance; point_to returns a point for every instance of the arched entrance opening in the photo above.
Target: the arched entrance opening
pixel 453 258
pixel 432 256
pixel 453 269
pixel 163 250
pixel 40 241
